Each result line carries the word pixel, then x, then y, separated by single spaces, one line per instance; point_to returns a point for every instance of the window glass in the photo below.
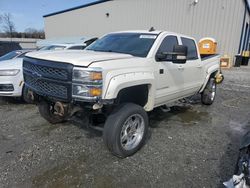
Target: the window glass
pixel 136 44
pixel 192 51
pixel 168 44
pixel 10 55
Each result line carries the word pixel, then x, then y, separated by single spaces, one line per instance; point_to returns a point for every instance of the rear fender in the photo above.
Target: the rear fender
pixel 211 71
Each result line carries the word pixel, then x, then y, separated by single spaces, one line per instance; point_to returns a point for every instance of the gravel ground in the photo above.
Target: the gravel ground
pixel 190 146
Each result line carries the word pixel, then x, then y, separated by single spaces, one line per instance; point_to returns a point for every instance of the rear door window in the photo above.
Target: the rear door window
pixel 192 50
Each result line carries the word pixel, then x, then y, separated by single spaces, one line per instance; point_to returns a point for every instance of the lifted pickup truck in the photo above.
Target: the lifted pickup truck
pixel 120 77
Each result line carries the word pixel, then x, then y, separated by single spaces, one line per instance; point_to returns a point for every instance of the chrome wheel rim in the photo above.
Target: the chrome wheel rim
pixel 213 91
pixel 132 132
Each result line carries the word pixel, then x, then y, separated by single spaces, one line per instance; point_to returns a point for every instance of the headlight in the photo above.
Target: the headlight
pixel 11 72
pixel 87 75
pixel 83 91
pixel 87 83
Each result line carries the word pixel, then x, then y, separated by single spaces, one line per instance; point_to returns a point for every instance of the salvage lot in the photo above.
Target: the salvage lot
pixel 191 146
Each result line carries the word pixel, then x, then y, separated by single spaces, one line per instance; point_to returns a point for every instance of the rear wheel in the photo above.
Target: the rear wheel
pixel 125 130
pixel 47 112
pixel 209 93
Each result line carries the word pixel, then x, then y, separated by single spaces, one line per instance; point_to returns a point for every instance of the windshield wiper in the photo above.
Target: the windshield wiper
pixel 104 50
pixel 110 51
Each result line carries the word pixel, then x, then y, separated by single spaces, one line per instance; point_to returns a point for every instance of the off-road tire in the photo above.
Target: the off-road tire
pixel 113 128
pixel 209 93
pixel 46 112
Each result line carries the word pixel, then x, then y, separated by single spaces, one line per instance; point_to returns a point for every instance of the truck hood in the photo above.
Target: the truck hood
pixel 77 57
pixel 11 64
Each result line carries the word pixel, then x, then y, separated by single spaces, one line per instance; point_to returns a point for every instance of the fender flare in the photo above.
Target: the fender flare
pixel 122 81
pixel 211 70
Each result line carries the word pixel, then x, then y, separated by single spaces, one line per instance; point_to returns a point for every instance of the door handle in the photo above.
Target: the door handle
pixel 180 67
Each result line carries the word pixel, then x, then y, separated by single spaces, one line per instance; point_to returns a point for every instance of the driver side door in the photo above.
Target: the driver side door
pixel 170 75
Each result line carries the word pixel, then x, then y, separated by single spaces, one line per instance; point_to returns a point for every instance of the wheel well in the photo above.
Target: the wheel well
pixel 135 94
pixel 213 74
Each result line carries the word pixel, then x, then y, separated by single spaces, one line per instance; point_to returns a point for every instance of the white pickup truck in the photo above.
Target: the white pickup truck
pixel 120 77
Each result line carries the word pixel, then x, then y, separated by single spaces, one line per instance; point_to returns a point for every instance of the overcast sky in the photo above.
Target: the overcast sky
pixel 29 13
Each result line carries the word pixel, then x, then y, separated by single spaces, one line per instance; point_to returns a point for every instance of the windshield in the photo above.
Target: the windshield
pixel 52 47
pixel 10 55
pixel 136 44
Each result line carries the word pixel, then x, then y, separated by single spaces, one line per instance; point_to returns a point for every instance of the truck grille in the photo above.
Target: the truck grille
pixel 46 71
pixel 46 88
pixel 48 78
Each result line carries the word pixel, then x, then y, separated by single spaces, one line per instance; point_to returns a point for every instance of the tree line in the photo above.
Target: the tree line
pixel 8 29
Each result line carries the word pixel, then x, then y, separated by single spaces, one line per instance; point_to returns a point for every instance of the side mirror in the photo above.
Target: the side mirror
pixel 179 55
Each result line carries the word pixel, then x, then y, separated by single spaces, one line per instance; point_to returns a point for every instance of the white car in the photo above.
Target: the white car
pixel 14 54
pixel 11 73
pixel 11 77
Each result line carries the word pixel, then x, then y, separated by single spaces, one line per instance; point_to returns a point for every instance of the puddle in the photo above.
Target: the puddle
pixel 103 182
pixel 58 177
pixel 73 174
pixel 189 116
pixel 70 174
pixel 183 114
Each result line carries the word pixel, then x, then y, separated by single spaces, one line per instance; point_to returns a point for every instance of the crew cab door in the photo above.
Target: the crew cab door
pixel 170 76
pixel 192 70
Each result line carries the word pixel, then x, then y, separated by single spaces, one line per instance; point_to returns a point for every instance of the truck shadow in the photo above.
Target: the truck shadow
pixel 11 100
pixel 155 118
pixel 184 111
pixel 86 126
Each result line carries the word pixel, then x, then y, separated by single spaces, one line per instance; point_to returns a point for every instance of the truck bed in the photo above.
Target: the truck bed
pixel 205 57
pixel 211 61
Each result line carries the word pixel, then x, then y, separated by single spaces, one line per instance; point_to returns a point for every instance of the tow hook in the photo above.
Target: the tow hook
pixel 60 109
pixel 219 78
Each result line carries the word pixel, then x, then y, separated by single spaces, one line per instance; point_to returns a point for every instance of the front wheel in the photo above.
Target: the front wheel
pixel 47 112
pixel 209 93
pixel 126 129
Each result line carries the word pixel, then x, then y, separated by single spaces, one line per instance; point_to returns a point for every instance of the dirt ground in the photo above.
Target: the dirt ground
pixel 190 146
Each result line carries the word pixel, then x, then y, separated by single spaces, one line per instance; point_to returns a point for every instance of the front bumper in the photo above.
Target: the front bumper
pixel 11 85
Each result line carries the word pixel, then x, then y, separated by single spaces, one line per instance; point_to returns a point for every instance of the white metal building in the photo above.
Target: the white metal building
pixel 225 20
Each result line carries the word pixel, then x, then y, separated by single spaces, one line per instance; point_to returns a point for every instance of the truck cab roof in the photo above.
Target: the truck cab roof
pixel 156 32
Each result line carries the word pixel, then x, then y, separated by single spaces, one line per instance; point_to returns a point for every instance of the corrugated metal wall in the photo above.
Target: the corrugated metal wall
pixel 220 19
